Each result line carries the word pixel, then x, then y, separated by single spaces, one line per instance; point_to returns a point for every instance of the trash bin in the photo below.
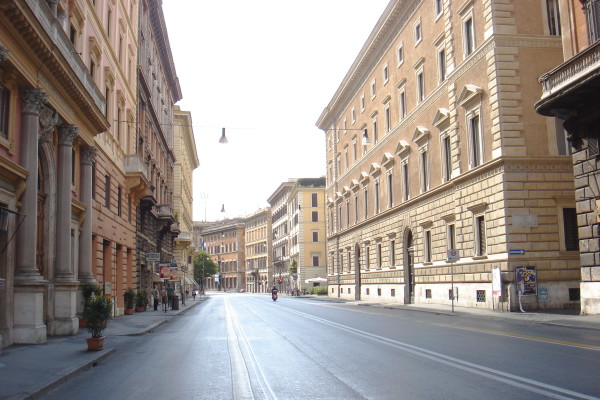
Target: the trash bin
pixel 175 303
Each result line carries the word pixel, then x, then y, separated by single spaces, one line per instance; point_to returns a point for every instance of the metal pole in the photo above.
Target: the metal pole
pixel 452 279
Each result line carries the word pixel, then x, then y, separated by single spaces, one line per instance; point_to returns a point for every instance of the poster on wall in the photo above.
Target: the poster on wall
pixel 526 279
pixel 174 273
pixel 496 282
pixel 164 270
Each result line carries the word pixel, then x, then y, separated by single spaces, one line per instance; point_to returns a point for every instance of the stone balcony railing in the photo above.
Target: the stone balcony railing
pixel 580 66
pixel 135 165
pixel 163 211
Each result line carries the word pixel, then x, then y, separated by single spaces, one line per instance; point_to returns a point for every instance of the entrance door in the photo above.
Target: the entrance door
pixel 409 276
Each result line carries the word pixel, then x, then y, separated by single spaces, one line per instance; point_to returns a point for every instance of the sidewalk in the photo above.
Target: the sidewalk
pixel 28 371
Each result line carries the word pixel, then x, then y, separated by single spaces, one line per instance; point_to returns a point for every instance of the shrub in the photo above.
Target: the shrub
pixel 97 312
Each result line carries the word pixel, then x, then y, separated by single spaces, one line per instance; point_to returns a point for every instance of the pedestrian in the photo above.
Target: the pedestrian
pixel 170 293
pixel 164 297
pixel 194 294
pixel 156 297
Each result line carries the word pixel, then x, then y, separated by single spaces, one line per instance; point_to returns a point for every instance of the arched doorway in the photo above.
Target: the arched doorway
pixel 357 283
pixel 409 275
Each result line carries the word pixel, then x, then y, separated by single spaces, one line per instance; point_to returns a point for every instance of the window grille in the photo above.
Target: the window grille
pixel 481 296
pixel 427 293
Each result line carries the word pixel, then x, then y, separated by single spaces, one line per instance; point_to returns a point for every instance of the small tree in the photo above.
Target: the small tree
pixel 204 267
pixel 293 267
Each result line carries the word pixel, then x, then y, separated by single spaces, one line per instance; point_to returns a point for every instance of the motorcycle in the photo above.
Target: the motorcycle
pixel 274 296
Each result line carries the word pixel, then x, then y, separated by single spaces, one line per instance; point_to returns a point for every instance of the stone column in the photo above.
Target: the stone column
pixel 29 285
pixel 65 321
pixel 87 155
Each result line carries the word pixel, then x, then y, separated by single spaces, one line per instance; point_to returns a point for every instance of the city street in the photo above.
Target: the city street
pixel 245 346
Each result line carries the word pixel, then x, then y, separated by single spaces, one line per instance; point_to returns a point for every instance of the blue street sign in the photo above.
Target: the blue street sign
pixel 516 252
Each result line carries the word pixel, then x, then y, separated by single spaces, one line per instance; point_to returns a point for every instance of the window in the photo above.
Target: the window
pixel 107 191
pixel 468 36
pixel 375 133
pixel 388 118
pixel 347 212
pixel 393 293
pixel 441 65
pixel 553 15
pixel 427 293
pixel 418 33
pixel 571 234
pixel 354 149
pixel 475 139
pixel 346 159
pixel 315 216
pixel 108 22
pixel 353 115
pixel 392 253
pixel 315 261
pixel 348 260
pixel 390 189
pixel 376 197
pixel 480 240
pixel 315 236
pixel 405 181
pixel 451 237
pixel 446 157
pixel 386 74
pixel 314 200
pixel 563 144
pixel 402 103
pixel 481 296
pixel 439 7
pixel 420 86
pixel 400 54
pixel 379 256
pixel 362 103
pixel 339 217
pixel 4 110
pixel 592 16
pixel 93 181
pixel 427 245
pixel 424 169
pixel 119 200
pixel 373 88
pixel 356 209
pixel 367 257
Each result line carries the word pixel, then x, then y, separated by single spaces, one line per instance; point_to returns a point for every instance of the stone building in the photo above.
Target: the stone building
pixel 570 93
pixel 259 269
pixel 157 92
pixel 110 54
pixel 51 109
pixel 186 161
pixel 307 233
pixel 443 184
pixel 225 244
pixel 280 235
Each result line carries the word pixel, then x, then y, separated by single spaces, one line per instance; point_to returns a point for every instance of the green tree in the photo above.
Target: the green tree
pixel 204 267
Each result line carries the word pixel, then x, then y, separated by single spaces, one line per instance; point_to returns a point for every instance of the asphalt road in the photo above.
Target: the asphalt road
pixel 244 346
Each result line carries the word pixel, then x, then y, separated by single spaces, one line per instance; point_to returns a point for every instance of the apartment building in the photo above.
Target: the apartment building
pixel 186 161
pixel 225 244
pixel 51 112
pixel 259 271
pixel 443 184
pixel 569 95
pixel 158 91
pixel 280 236
pixel 307 233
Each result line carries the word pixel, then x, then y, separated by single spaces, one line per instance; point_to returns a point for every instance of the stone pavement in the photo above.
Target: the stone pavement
pixel 29 371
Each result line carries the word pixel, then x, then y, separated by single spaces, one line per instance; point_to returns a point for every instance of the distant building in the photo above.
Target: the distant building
pixel 440 174
pixel 280 236
pixel 259 271
pixel 307 220
pixel 570 94
pixel 225 244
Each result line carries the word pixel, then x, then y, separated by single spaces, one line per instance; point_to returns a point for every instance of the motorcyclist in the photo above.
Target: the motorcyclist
pixel 274 292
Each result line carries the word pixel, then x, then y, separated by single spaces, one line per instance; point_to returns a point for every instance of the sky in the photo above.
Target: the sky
pixel 264 70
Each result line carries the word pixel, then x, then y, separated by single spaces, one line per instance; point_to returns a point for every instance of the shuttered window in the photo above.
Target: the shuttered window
pixel 570 229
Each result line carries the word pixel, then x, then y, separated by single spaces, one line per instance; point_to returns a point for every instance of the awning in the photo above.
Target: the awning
pixel 190 281
pixel 316 280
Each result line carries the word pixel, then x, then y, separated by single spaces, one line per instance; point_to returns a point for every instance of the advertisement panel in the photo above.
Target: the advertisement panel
pixel 496 282
pixel 164 270
pixel 526 278
pixel 174 273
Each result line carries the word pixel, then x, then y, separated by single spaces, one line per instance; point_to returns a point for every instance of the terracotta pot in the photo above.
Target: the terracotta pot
pixel 95 344
pixel 128 311
pixel 82 323
pixel 140 309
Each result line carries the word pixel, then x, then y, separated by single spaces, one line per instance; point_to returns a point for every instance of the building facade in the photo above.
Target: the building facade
pixel 225 244
pixel 280 236
pixel 259 269
pixel 307 236
pixel 570 95
pixel 443 184
pixel 158 91
pixel 51 109
pixel 186 161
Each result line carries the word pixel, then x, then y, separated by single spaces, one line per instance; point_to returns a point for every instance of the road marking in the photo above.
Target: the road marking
pixel 491 373
pixel 520 336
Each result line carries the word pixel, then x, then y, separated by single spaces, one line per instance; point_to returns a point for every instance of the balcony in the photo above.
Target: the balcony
pixel 137 174
pixel 184 238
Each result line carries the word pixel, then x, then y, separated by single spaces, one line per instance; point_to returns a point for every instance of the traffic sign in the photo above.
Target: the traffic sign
pixel 516 252
pixel 453 255
pixel 152 256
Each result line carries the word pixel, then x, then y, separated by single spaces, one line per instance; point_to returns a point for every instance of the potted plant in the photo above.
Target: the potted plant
pixel 97 312
pixel 141 301
pixel 87 291
pixel 129 298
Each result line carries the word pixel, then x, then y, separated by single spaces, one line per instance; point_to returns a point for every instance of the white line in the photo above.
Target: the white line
pixel 240 381
pixel 500 376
